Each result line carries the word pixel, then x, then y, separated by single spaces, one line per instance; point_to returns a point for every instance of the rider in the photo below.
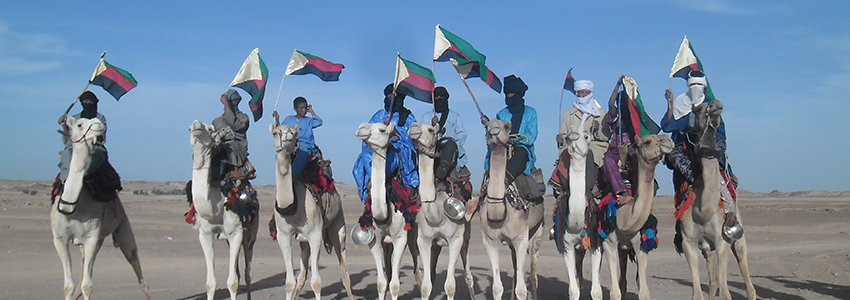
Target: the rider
pixel 585 115
pixel 400 157
pixel 523 120
pixel 452 159
pixel 678 122
pixel 614 156
pixel 306 141
pixel 110 182
pixel 233 154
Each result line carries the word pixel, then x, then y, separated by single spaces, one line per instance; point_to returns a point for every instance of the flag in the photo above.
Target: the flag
pixel 418 80
pixel 687 61
pixel 114 80
pixel 634 115
pixel 303 63
pixel 449 46
pixel 570 82
pixel 252 78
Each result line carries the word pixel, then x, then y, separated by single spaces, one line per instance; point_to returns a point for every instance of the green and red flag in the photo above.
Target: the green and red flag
pixel 570 82
pixel 252 78
pixel 632 110
pixel 114 80
pixel 303 63
pixel 448 46
pixel 418 80
pixel 687 61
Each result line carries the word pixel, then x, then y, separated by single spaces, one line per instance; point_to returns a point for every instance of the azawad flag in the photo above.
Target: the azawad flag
pixel 634 115
pixel 687 61
pixel 448 46
pixel 418 80
pixel 303 63
pixel 252 78
pixel 114 80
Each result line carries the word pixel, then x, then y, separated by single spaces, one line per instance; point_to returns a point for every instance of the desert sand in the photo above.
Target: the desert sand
pixel 799 248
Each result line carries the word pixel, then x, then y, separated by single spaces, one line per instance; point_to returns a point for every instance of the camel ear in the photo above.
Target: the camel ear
pixel 390 127
pixel 363 132
pixel 295 129
pixel 70 121
pixel 508 126
pixel 271 127
pixel 415 131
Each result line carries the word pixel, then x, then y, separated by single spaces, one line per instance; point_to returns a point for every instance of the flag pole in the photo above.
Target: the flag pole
pixel 85 88
pixel 473 96
pixel 433 102
pixel 278 91
pixel 560 107
pixel 395 85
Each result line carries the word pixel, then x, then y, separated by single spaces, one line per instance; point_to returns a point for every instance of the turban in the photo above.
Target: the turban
pixel 584 85
pixel 233 95
pixel 515 85
pixel 88 95
pixel 696 80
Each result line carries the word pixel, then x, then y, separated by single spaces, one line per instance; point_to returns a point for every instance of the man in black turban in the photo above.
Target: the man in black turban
pixel 452 155
pixel 523 120
pixel 89 102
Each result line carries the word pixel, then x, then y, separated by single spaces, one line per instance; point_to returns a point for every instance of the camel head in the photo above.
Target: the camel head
pixel 707 114
pixel 498 133
pixel 201 134
pixel 652 147
pixel 376 135
pixel 577 142
pixel 425 136
pixel 85 130
pixel 284 138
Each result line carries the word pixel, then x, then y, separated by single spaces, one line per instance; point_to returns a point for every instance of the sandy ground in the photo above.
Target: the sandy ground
pixel 799 248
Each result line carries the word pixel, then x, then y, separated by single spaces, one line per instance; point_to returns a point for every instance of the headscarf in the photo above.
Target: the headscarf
pixel 234 95
pixel 441 105
pixel 685 103
pixel 89 109
pixel 397 103
pixel 586 104
pixel 515 104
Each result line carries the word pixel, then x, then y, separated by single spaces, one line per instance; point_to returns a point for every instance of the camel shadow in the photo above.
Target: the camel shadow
pixel 834 290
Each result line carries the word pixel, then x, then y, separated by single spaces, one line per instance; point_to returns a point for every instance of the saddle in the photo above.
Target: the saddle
pixel 103 184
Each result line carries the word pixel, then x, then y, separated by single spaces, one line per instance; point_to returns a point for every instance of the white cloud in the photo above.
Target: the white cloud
pixel 10 65
pixel 27 53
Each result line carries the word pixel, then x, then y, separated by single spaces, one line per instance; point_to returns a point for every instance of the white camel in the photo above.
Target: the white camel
pixel 577 143
pixel 310 222
pixel 212 218
pixel 702 223
pixel 435 227
pixel 520 229
pixel 633 215
pixel 389 237
pixel 85 221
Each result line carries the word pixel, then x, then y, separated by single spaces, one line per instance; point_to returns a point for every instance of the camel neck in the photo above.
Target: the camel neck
pixel 427 187
pixel 498 165
pixel 632 216
pixel 76 172
pixel 379 179
pixel 578 196
pixel 284 195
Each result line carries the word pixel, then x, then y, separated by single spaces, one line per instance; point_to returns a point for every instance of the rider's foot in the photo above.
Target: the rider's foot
pixel 624 198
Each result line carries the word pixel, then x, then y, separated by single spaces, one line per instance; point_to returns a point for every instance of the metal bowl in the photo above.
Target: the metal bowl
pixel 734 232
pixel 455 209
pixel 362 237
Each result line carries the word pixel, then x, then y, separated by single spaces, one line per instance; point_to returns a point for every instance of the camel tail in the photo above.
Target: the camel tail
pixel 326 240
pixel 677 240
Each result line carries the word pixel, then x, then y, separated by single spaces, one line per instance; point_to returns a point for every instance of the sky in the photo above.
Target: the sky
pixel 781 69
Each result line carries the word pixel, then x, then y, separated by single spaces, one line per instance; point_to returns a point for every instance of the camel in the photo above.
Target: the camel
pixel 435 227
pixel 310 222
pixel 577 147
pixel 701 225
pixel 632 216
pixel 389 237
pixel 520 229
pixel 212 219
pixel 86 221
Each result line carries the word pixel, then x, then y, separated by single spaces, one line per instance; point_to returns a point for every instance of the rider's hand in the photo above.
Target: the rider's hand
pixel 62 119
pixel 276 117
pixel 434 120
pixel 485 120
pixel 668 94
pixel 561 140
pixel 225 100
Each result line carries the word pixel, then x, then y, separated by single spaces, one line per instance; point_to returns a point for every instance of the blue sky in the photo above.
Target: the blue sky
pixel 781 69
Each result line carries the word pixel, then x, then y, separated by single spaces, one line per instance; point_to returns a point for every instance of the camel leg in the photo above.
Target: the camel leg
pixel 91 247
pixel 739 249
pixel 712 266
pixel 515 273
pixel 451 283
pixel 398 251
pixel 464 256
pixel 722 271
pixel 284 240
pixel 316 278
pixel 126 241
pixel 427 281
pixel 521 288
pixel 493 253
pixel 624 263
pixel 579 263
pixel 570 261
pixel 642 258
pixel 64 253
pixel 693 265
pixel 412 237
pixel 612 253
pixel 534 251
pixel 302 271
pixel 377 249
pixel 248 248
pixel 337 238
pixel 206 239
pixel 435 256
pixel 235 243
